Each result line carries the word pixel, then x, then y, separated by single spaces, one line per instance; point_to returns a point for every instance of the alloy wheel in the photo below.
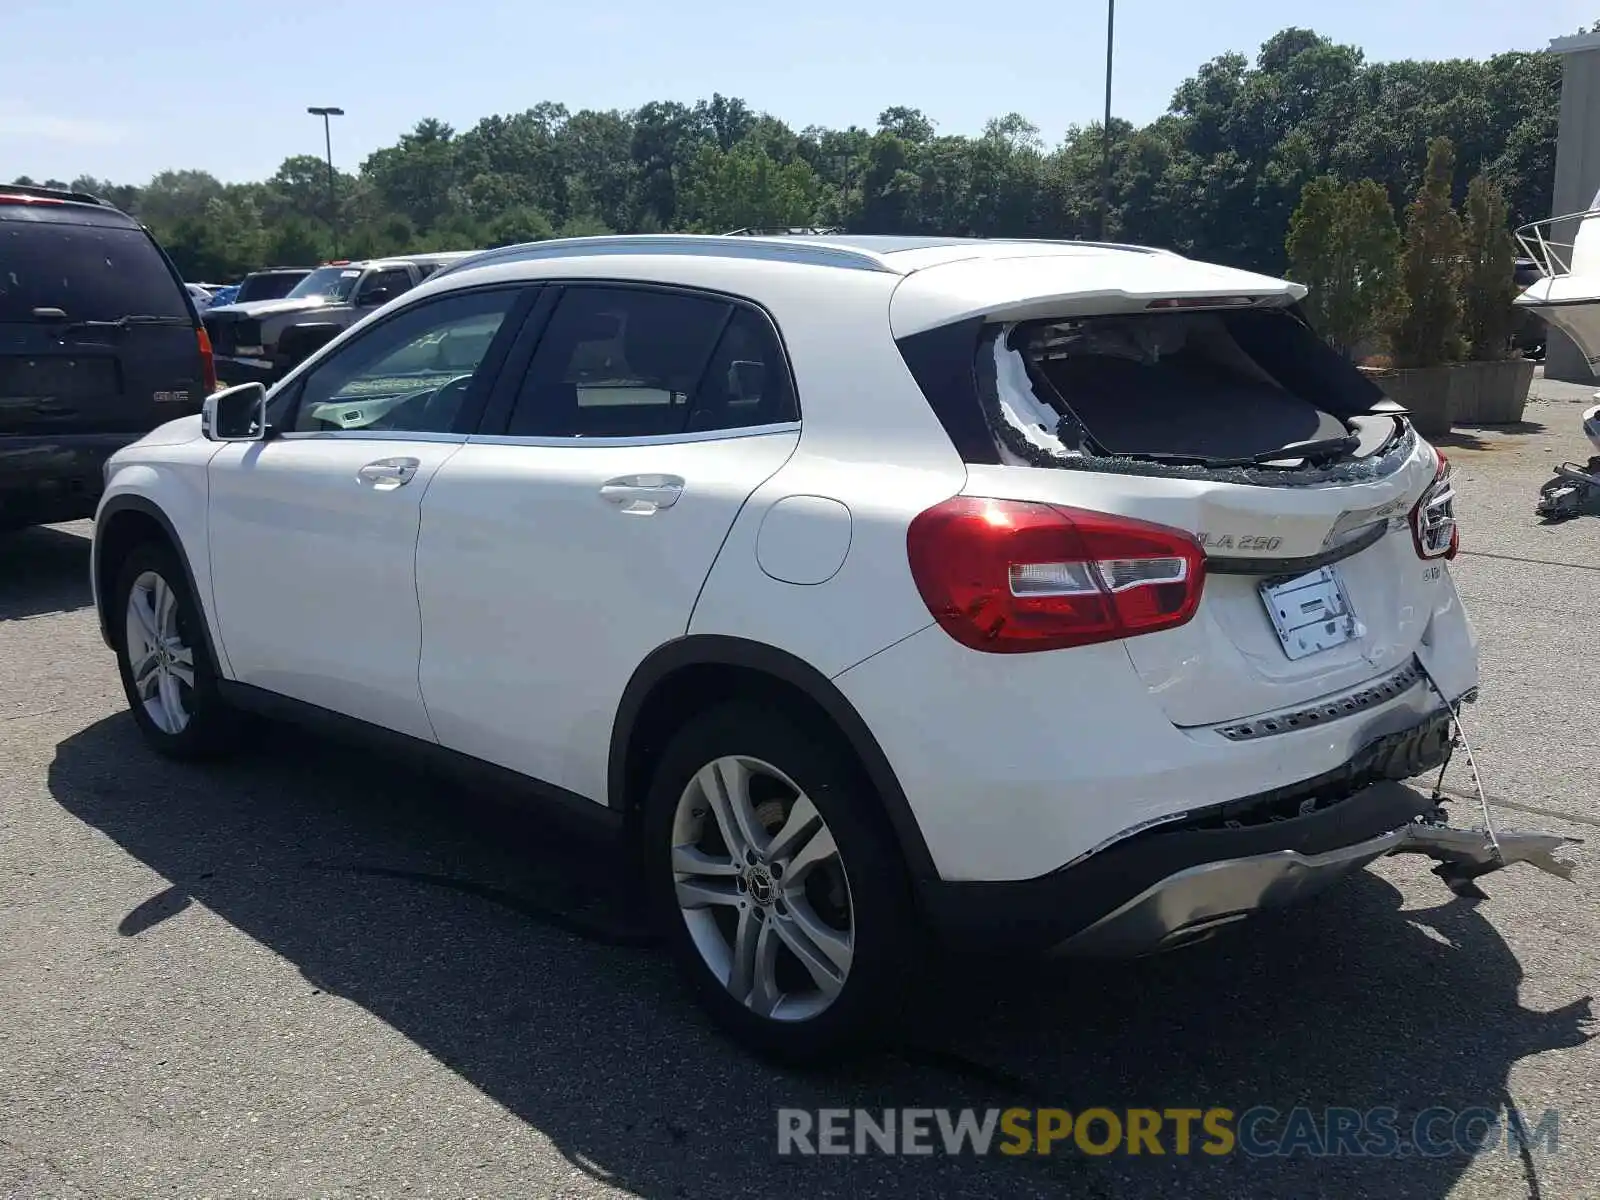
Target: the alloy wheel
pixel 762 888
pixel 160 661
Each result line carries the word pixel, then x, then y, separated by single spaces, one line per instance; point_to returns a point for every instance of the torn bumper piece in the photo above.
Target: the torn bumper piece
pixel 1169 887
pixel 1194 903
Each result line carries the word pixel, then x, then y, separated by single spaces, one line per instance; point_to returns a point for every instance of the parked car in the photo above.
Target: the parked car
pixel 273 283
pixel 201 295
pixel 226 294
pixel 260 340
pixel 98 345
pixel 1050 597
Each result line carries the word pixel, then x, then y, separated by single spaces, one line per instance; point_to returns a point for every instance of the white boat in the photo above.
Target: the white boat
pixel 1566 250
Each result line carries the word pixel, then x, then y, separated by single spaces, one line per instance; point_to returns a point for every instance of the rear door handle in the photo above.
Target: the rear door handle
pixel 641 495
pixel 388 473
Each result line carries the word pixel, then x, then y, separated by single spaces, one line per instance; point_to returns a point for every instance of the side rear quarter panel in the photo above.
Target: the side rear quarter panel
pixel 816 564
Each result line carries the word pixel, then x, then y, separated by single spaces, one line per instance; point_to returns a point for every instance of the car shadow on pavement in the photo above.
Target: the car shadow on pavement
pixel 43 570
pixel 512 955
pixel 1469 436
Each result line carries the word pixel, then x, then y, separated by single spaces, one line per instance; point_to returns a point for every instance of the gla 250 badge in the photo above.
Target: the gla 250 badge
pixel 1239 541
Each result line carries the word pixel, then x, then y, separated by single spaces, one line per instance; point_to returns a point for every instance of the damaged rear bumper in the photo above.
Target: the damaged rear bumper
pixel 1169 887
pixel 1194 903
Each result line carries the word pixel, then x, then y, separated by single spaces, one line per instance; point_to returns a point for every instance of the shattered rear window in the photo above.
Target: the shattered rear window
pixel 1250 395
pixel 1174 384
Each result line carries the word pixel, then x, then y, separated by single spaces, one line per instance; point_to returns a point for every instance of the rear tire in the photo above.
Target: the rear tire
pixel 167 673
pixel 781 897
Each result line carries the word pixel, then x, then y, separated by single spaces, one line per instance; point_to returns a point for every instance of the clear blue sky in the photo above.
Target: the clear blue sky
pixel 120 89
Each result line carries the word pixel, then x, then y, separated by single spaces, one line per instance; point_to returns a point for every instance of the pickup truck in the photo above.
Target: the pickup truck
pixel 261 341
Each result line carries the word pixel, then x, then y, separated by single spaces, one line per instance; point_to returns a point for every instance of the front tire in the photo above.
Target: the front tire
pixel 167 674
pixel 781 897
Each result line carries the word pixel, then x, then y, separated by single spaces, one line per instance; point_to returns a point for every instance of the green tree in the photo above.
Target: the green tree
pixel 418 176
pixel 745 188
pixel 518 225
pixel 173 196
pixel 583 225
pixel 1343 245
pixel 1489 273
pixel 909 124
pixel 1427 324
pixel 296 241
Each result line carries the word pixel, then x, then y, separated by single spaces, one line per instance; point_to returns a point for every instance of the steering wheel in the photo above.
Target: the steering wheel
pixel 440 411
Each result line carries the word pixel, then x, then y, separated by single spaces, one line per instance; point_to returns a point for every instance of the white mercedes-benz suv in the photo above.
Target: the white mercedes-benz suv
pixel 1056 597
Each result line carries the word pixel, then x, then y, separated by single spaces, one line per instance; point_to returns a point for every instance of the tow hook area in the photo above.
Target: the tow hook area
pixel 1465 855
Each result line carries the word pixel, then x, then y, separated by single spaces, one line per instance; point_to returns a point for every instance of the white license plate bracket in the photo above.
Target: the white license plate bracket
pixel 1310 612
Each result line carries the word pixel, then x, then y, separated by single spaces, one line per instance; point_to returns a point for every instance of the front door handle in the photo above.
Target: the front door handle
pixel 388 473
pixel 641 495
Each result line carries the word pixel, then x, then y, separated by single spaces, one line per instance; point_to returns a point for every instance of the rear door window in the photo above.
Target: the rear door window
pixel 90 272
pixel 619 362
pixel 747 383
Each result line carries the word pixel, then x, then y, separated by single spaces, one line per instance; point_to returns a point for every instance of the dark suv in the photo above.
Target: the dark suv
pixel 99 344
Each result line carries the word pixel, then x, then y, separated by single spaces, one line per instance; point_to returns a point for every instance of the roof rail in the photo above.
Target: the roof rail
pixel 45 193
pixel 711 245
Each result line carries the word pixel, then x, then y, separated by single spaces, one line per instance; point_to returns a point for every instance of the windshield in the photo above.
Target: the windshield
pixel 327 283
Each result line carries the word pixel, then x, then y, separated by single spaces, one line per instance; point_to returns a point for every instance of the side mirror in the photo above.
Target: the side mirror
pixel 373 297
pixel 236 414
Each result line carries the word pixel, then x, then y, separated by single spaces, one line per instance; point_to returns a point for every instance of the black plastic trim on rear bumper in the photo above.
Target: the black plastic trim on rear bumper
pixel 1357 801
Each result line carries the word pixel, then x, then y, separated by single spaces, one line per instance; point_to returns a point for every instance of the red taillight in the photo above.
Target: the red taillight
pixel 208 362
pixel 1433 520
pixel 1008 576
pixel 7 198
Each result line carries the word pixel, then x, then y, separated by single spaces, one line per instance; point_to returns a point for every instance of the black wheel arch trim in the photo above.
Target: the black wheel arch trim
pixel 720 650
pixel 139 504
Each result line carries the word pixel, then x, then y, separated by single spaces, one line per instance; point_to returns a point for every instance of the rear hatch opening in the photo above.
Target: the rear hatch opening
pixel 1209 416
pixel 1211 390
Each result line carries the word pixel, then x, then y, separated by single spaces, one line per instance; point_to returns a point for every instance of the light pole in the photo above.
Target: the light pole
pixel 1105 131
pixel 327 139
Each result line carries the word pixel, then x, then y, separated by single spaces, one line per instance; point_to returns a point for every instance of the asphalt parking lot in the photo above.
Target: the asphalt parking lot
pixel 309 972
